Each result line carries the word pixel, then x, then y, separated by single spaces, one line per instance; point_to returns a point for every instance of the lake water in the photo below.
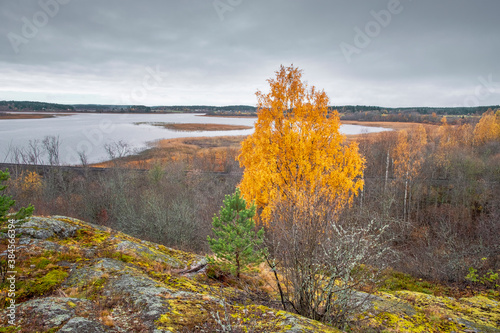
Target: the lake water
pixel 90 132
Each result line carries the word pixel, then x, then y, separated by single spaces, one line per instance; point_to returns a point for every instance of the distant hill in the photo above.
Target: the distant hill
pixel 33 106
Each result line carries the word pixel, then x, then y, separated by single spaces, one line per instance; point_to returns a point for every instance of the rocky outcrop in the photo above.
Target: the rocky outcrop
pixel 73 276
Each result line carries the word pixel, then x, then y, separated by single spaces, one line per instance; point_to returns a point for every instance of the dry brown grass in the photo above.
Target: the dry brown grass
pixel 180 149
pixel 186 149
pixel 224 116
pixel 396 126
pixel 106 318
pixel 24 116
pixel 385 124
pixel 192 127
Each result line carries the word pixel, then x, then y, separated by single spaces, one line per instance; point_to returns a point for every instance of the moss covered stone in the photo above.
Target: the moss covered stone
pixel 75 276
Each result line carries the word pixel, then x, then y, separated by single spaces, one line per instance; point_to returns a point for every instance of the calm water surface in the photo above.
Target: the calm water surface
pixel 89 132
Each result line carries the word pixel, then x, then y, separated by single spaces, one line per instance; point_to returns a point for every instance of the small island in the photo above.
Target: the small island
pixel 4 116
pixel 193 127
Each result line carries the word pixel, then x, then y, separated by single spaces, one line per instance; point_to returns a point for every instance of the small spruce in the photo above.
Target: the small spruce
pixel 236 242
pixel 6 202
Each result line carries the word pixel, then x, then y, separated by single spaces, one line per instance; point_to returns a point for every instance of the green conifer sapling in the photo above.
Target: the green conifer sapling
pixel 236 241
pixel 6 202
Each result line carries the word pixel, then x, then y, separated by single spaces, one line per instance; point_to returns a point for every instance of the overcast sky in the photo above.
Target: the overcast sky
pixel 388 52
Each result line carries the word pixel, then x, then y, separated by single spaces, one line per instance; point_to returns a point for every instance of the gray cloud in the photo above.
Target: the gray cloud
pixel 431 53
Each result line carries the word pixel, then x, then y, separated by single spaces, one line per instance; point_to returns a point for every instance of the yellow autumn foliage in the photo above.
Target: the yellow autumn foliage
pixel 297 148
pixel 488 128
pixel 408 153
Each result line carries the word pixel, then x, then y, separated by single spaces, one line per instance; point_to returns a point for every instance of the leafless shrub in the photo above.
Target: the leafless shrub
pixel 33 153
pixel 321 263
pixel 82 155
pixel 52 144
pixel 118 149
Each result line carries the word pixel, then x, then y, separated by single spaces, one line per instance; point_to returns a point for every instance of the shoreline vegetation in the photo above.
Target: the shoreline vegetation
pixel 395 126
pixel 190 148
pixel 11 116
pixel 194 127
pixel 179 149
pixel 229 116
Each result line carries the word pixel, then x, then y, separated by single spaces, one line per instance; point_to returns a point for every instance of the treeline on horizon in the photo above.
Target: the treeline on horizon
pixel 33 106
pixel 460 110
pixel 348 112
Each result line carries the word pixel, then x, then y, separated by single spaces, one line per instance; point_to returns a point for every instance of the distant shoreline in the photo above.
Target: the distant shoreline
pixel 195 127
pixel 222 116
pixel 394 125
pixel 11 116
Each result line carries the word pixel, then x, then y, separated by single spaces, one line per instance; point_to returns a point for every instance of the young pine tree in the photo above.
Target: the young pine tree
pixel 236 241
pixel 6 202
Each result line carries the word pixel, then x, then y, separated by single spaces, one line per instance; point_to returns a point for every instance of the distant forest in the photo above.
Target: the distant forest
pixel 461 110
pixel 33 106
pixel 348 112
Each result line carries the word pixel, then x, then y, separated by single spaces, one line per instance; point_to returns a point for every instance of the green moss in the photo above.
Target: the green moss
pixel 435 314
pixel 395 281
pixel 123 257
pixel 94 290
pixel 184 284
pixel 10 329
pixel 100 282
pixel 41 263
pixel 88 237
pixel 480 310
pixel 185 312
pixel 52 330
pixel 113 254
pixel 70 256
pixel 417 323
pixel 47 282
pixel 194 315
pixel 48 253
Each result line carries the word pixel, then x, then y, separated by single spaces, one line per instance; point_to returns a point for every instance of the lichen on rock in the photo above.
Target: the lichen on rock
pixel 74 276
pixel 43 228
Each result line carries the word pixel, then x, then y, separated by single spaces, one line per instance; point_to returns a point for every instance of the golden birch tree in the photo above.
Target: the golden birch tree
pixel 297 148
pixel 408 159
pixel 488 128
